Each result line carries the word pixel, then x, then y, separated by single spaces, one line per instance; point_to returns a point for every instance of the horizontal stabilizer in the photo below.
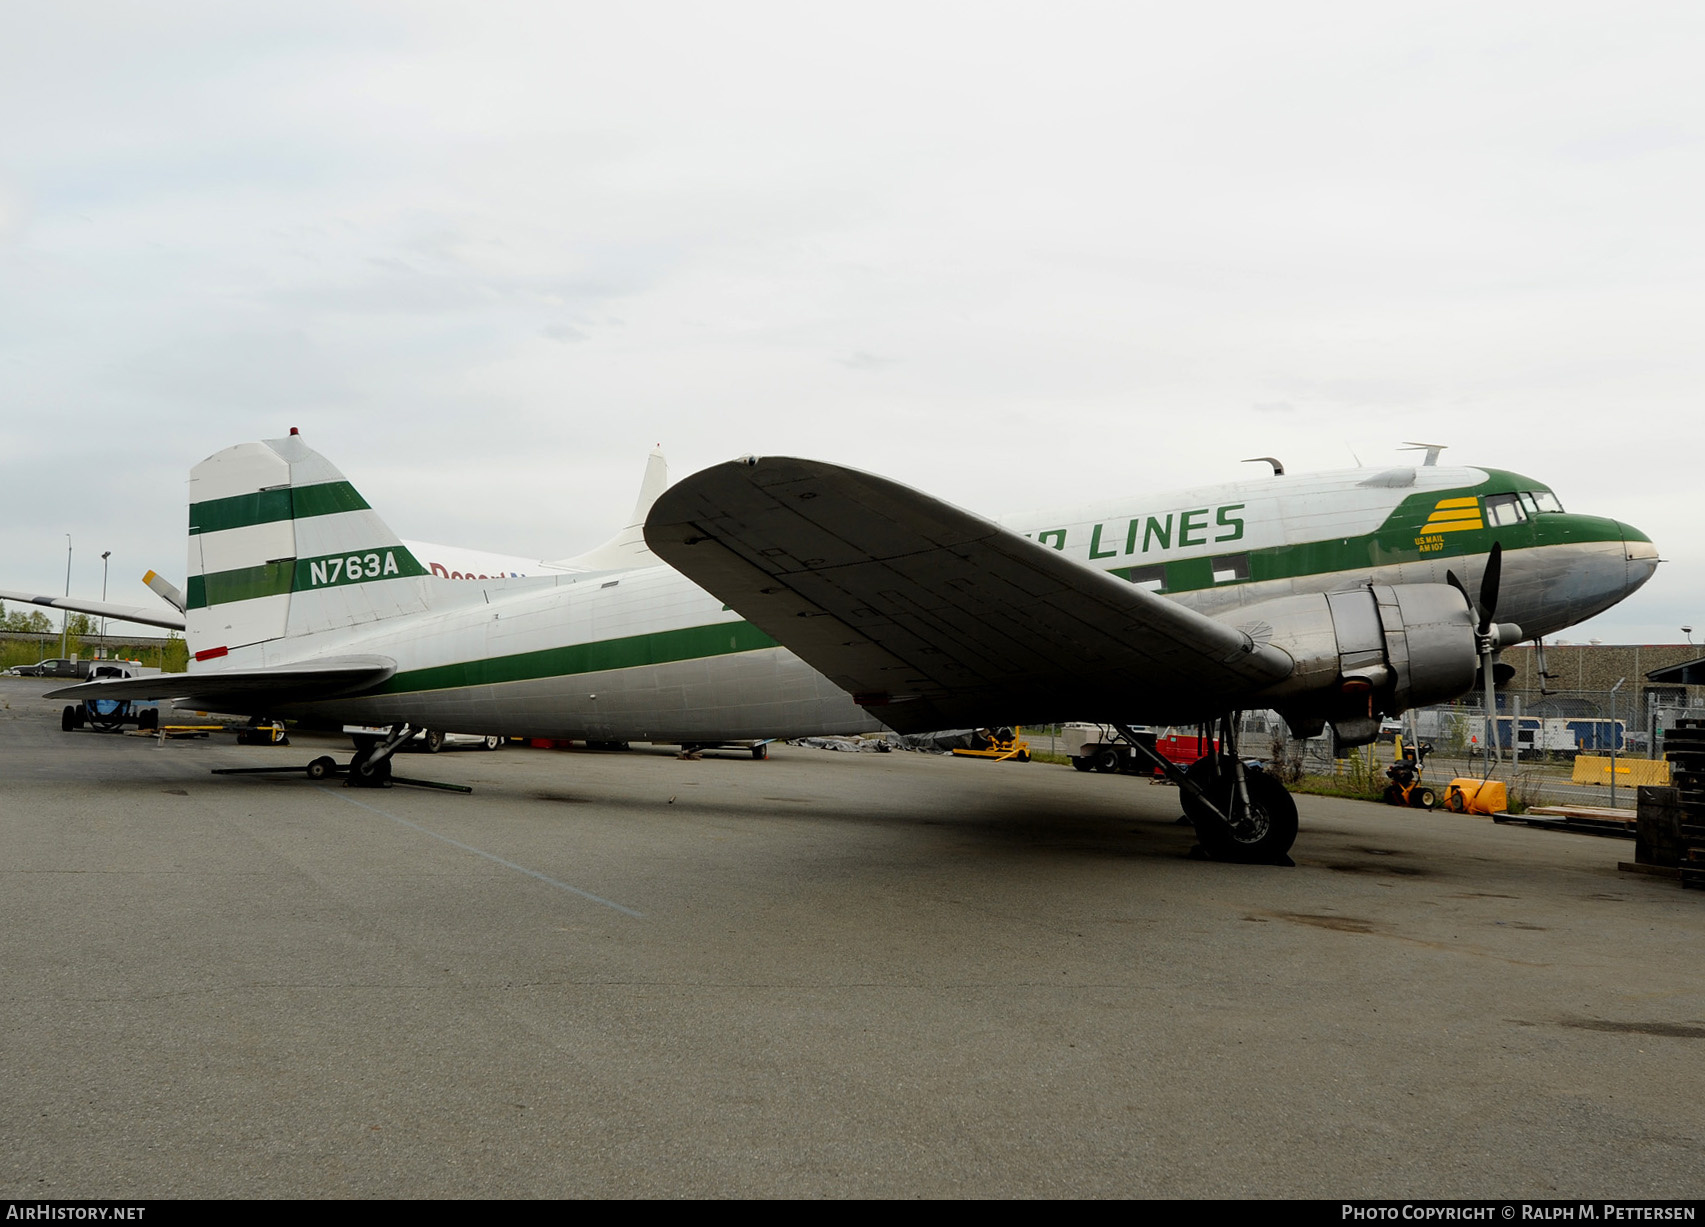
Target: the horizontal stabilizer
pixel 101 609
pixel 936 618
pixel 166 590
pixel 245 690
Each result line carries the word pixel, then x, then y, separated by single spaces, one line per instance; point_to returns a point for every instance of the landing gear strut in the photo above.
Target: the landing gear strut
pixel 1240 812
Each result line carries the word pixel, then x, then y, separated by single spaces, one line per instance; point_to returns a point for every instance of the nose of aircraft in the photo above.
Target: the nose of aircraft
pixel 1641 554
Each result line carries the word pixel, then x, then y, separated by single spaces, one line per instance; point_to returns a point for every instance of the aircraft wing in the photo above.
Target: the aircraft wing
pixel 171 620
pixel 244 690
pixel 936 618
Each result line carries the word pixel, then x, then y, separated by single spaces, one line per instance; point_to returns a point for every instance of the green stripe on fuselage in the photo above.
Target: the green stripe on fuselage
pixel 1400 539
pixel 271 506
pixel 634 651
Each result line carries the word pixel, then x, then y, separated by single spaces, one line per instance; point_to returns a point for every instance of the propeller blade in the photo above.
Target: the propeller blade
pixel 1454 582
pixel 1489 582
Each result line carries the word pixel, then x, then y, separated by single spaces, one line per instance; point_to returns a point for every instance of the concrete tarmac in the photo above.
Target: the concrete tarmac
pixel 610 974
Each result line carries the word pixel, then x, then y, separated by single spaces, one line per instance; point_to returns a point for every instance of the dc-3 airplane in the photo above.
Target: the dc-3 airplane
pixel 801 597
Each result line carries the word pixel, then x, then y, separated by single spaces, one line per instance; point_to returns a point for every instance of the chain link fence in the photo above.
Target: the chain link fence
pixel 1539 738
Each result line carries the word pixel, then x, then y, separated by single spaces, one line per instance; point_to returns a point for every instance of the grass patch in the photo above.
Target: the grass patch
pixel 1339 786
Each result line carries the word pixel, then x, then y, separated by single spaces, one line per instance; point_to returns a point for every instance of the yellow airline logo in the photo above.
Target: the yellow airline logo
pixel 1449 516
pixel 1454 514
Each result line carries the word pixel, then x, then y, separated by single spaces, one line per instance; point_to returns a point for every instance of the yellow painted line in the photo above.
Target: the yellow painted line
pixel 1453 527
pixel 1457 502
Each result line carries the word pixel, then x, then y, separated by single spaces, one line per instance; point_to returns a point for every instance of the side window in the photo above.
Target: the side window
pixel 1152 578
pixel 1547 501
pixel 1231 568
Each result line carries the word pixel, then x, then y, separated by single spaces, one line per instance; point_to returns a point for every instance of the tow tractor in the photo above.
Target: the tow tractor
pixel 109 715
pixel 1102 747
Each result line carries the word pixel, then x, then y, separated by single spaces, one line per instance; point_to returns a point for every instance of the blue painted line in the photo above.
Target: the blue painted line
pixel 456 843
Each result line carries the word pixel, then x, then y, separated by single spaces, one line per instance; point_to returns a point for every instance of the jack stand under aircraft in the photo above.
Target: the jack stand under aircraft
pixel 369 767
pixel 1240 812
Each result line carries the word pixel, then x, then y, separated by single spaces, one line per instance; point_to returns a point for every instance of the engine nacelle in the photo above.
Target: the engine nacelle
pixel 1365 653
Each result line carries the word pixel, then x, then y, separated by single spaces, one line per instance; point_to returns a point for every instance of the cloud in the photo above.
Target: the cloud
pixel 1099 231
pixel 862 361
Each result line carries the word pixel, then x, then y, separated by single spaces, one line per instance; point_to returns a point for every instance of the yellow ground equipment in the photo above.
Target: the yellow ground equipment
pixel 1405 776
pixel 1001 745
pixel 263 733
pixel 1464 796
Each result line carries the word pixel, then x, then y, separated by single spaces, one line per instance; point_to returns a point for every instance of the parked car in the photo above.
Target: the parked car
pixel 58 667
pixel 430 740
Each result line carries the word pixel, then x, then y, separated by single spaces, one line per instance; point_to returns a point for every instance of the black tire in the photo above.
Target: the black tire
pixel 760 753
pixel 493 743
pixel 1426 798
pixel 1261 837
pixel 1393 795
pixel 1082 763
pixel 433 740
pixel 1107 760
pixel 322 768
pixel 148 718
pixel 68 719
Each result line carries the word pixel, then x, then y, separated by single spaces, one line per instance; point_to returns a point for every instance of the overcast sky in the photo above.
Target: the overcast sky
pixel 486 256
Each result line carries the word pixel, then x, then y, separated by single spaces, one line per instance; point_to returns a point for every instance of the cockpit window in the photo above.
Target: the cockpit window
pixel 1503 510
pixel 1528 503
pixel 1547 501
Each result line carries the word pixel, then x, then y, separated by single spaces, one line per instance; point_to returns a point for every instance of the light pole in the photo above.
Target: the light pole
pixel 65 615
pixel 1613 731
pixel 105 554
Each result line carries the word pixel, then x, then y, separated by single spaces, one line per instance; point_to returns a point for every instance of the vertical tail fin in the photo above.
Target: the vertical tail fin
pixel 280 545
pixel 628 548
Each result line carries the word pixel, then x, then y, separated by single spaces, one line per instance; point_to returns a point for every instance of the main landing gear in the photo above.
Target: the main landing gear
pixel 1240 812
